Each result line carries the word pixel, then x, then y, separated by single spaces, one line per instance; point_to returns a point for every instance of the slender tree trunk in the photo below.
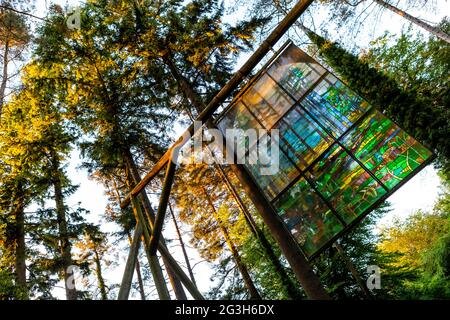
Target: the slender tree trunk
pixel 254 294
pixel 4 76
pixel 286 281
pixel 183 248
pixel 19 242
pixel 433 30
pixel 353 270
pixel 138 270
pixel 100 279
pixel 175 282
pixel 302 269
pixel 65 246
pixel 14 251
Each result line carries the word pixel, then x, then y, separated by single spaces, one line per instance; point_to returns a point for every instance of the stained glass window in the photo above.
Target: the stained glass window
pixel 306 215
pixel 338 156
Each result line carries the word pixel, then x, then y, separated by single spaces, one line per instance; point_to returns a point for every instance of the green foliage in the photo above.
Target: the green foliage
pixel 421 245
pixel 407 107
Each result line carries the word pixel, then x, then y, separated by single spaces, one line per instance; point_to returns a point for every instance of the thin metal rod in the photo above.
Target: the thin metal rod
pixel 163 201
pixel 226 90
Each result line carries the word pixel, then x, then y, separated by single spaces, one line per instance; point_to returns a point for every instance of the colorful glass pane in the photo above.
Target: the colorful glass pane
pixel 385 149
pixel 267 101
pixel 240 118
pixel 308 218
pixel 337 158
pixel 345 184
pixel 295 71
pixel 272 184
pixel 302 138
pixel 334 105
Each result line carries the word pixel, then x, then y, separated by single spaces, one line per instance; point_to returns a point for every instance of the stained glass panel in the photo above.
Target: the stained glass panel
pixel 239 117
pixel 267 100
pixel 308 218
pixel 345 184
pixel 271 184
pixel 334 105
pixel 295 71
pixel 338 157
pixel 303 139
pixel 385 149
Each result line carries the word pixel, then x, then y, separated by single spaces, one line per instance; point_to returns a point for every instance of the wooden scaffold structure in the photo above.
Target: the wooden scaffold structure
pixel 149 225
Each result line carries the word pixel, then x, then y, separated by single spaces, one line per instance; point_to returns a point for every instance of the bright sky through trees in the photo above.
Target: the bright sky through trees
pixel 419 193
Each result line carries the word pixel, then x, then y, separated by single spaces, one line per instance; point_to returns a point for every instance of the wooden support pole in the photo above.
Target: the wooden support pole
pixel 163 201
pixel 155 268
pixel 171 262
pixel 289 246
pixel 150 218
pixel 179 272
pixel 290 286
pixel 183 247
pixel 127 277
pixel 243 270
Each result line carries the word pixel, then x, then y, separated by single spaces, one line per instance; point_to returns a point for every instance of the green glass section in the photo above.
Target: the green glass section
pixel 345 184
pixel 307 217
pixel 334 105
pixel 337 157
pixel 385 149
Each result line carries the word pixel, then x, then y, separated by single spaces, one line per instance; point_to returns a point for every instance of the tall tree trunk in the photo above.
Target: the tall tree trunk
pixel 254 294
pixel 183 248
pixel 175 282
pixel 19 242
pixel 353 270
pixel 138 270
pixel 65 246
pixel 302 269
pixel 433 30
pixel 100 279
pixel 286 281
pixel 4 76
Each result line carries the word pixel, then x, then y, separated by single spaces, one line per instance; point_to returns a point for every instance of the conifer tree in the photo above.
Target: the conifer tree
pixel 14 36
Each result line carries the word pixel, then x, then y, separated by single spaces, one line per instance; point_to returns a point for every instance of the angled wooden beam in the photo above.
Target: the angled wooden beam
pixel 226 90
pixel 165 254
pixel 163 201
pixel 147 179
pixel 127 277
pixel 155 267
pixel 190 286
